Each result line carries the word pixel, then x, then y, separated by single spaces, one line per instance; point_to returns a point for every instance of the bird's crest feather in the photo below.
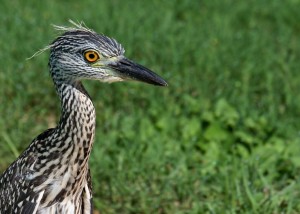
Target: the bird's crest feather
pixel 75 26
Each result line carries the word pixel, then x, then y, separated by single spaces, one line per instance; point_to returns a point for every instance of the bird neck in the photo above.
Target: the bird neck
pixel 70 143
pixel 78 117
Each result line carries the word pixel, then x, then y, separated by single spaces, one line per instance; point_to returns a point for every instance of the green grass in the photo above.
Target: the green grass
pixel 222 138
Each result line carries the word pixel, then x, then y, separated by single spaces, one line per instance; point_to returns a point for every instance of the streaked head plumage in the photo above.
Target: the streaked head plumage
pixel 81 53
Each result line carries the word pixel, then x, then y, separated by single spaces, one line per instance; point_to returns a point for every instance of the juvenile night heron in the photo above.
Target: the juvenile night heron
pixel 52 174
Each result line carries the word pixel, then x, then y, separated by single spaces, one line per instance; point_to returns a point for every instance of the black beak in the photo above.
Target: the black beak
pixel 130 70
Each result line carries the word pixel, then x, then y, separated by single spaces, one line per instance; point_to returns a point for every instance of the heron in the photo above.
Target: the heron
pixel 52 175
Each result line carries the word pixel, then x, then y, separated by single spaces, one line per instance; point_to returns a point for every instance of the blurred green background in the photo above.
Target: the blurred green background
pixel 223 137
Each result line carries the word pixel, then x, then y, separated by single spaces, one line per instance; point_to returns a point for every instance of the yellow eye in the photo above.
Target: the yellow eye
pixel 91 56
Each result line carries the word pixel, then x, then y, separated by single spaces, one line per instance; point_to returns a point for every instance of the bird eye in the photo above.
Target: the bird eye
pixel 91 56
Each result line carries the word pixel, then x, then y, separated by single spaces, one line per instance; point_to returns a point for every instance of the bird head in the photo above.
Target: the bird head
pixel 80 53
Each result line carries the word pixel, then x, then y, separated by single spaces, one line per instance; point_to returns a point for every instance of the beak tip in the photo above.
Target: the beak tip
pixel 163 83
pixel 158 81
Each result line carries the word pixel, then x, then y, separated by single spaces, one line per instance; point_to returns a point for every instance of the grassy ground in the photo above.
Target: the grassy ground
pixel 222 138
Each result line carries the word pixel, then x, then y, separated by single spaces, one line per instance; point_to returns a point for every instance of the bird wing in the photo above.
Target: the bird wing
pixel 17 193
pixel 32 205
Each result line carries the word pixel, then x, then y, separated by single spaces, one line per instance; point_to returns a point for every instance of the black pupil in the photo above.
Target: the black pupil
pixel 92 56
